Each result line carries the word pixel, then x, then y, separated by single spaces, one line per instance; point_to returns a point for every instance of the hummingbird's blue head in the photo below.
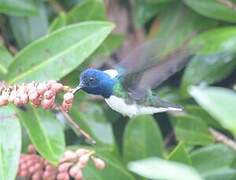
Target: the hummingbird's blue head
pixel 96 82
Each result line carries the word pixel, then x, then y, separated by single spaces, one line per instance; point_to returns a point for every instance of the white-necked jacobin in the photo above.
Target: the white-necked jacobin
pixel 127 88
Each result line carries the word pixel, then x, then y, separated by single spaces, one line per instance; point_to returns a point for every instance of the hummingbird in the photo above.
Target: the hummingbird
pixel 127 88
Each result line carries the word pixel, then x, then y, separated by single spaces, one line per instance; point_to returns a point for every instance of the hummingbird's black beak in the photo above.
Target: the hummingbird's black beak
pixel 77 88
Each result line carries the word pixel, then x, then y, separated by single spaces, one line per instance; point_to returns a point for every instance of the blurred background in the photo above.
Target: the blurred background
pixel 187 138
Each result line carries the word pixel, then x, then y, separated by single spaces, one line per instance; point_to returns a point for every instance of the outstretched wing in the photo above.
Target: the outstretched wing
pixel 151 64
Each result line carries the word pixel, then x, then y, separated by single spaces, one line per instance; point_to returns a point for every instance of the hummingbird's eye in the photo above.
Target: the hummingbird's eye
pixel 91 79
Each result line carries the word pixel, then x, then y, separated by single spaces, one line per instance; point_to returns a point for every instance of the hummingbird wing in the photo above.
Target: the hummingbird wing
pixel 151 64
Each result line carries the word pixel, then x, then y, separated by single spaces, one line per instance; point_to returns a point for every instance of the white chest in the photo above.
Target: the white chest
pixel 119 105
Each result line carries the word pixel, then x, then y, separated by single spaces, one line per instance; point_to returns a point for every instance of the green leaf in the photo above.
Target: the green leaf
pixel 87 10
pixel 10 143
pixel 199 112
pixel 216 40
pixel 58 23
pixel 27 29
pixel 181 22
pixel 94 122
pixel 111 43
pixel 45 132
pixel 179 154
pixel 142 138
pixel 5 59
pixel 18 8
pixel 220 103
pixel 214 160
pixel 192 130
pixel 144 11
pixel 213 9
pixel 224 173
pixel 218 50
pixel 205 69
pixel 114 169
pixel 155 168
pixel 57 54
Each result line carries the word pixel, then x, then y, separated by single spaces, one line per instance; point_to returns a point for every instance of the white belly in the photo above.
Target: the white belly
pixel 119 105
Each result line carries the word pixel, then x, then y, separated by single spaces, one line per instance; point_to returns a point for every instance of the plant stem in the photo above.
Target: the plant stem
pixel 228 4
pixel 77 129
pixel 57 7
pixel 218 136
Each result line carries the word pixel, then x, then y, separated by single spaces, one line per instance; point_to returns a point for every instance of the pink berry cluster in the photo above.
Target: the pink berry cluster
pixel 74 162
pixel 38 94
pixel 35 167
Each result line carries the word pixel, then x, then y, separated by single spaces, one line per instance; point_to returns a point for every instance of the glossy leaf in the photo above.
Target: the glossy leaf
pixel 142 138
pixel 155 168
pixel 192 130
pixel 10 143
pixel 57 54
pixel 181 22
pixel 224 173
pixel 199 112
pixel 5 59
pixel 213 9
pixel 144 11
pixel 45 132
pixel 114 168
pixel 219 102
pixel 111 43
pixel 179 154
pixel 205 69
pixel 218 51
pixel 28 29
pixel 18 8
pixel 214 160
pixel 87 10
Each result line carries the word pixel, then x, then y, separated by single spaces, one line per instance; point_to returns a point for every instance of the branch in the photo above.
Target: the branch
pixel 57 7
pixel 228 4
pixel 77 129
pixel 218 136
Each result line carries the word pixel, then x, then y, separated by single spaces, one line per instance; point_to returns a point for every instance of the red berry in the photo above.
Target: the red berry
pixel 64 167
pixel 70 155
pixel 33 95
pixel 24 98
pixel 56 87
pixel 36 102
pixel 17 101
pixel 68 97
pixel 3 100
pixel 79 175
pixel 73 170
pixel 41 88
pixel 83 160
pixel 49 94
pixel 100 164
pixel 47 103
pixel 63 176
